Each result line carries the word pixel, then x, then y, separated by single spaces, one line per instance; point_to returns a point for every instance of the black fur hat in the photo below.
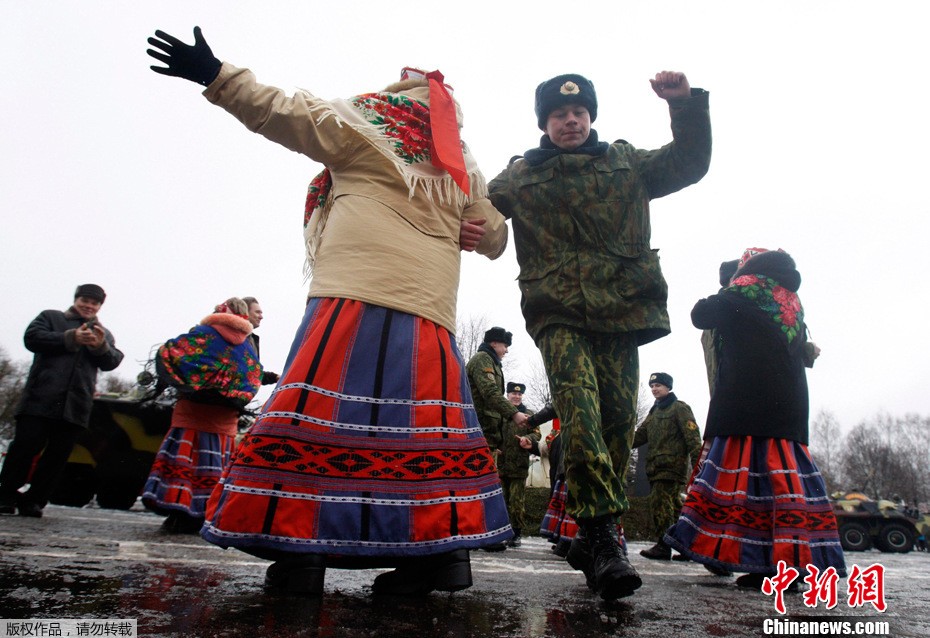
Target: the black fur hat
pixel 569 88
pixel 661 377
pixel 498 334
pixel 516 387
pixel 727 270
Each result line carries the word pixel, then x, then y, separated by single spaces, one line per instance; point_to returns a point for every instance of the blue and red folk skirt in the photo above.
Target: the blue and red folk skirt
pixel 187 467
pixel 558 525
pixel 368 448
pixel 753 502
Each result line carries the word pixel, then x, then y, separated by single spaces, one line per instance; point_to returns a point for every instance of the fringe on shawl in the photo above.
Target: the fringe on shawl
pixel 435 187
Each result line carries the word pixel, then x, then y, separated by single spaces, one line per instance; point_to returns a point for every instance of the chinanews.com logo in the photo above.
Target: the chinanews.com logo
pixel 864 586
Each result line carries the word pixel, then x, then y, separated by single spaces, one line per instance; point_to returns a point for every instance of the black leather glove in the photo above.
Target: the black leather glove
pixel 543 416
pixel 192 62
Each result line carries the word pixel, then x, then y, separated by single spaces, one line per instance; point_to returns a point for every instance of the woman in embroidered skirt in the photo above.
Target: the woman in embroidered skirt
pixel 368 453
pixel 216 372
pixel 756 497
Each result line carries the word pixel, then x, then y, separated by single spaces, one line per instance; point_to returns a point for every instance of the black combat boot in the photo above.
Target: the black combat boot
pixel 659 551
pixel 579 557
pixel 614 576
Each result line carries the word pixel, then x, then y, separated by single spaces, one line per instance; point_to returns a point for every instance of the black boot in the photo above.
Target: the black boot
pixel 300 575
pixel 420 576
pixel 579 557
pixel 561 548
pixel 516 541
pixel 659 551
pixel 614 576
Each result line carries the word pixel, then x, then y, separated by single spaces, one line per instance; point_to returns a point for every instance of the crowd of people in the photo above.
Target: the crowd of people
pixel 380 446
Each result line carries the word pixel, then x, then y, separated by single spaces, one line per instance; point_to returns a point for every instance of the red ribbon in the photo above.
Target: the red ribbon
pixel 446 145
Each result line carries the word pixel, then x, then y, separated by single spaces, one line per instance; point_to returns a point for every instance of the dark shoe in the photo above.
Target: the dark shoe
pixel 659 551
pixel 718 571
pixel 444 572
pixel 299 576
pixel 681 558
pixel 496 547
pixel 579 557
pixel 177 523
pixel 516 541
pixel 7 504
pixel 754 581
pixel 561 548
pixel 30 509
pixel 614 576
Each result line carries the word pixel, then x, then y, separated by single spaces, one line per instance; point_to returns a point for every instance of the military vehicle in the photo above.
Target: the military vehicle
pixel 113 456
pixel 864 523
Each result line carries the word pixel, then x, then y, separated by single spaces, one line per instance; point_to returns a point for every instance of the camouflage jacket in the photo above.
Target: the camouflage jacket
pixel 674 442
pixel 514 461
pixel 486 378
pixel 582 231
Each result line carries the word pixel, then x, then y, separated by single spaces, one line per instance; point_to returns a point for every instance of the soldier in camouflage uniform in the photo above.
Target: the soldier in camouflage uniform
pixel 496 414
pixel 674 447
pixel 592 289
pixel 513 464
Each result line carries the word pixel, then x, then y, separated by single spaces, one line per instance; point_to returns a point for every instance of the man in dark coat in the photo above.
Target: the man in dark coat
pixel 70 347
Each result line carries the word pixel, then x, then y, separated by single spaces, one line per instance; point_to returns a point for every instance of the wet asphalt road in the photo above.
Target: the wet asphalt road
pixel 94 564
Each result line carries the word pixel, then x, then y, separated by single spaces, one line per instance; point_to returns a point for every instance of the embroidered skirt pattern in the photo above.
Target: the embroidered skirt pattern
pixel 186 469
pixel 557 524
pixel 369 446
pixel 755 501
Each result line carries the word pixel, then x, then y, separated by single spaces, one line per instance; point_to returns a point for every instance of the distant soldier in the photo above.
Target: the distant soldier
pixel 486 378
pixel 513 464
pixel 674 447
pixel 69 347
pixel 495 412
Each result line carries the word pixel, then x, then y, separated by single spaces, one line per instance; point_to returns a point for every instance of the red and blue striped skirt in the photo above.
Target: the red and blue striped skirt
pixel 558 525
pixel 369 446
pixel 753 502
pixel 188 466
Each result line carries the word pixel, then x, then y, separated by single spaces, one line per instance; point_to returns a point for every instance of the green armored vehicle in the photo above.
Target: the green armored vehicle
pixel 864 523
pixel 113 456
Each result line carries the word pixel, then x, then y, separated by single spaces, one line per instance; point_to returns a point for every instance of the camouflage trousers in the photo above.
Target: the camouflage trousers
pixel 594 381
pixel 515 497
pixel 665 503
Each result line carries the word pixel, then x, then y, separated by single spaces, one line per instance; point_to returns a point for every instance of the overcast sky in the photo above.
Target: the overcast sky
pixel 115 175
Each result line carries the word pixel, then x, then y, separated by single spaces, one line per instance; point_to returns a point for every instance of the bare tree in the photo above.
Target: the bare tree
pixel 12 380
pixel 826 446
pixel 537 386
pixel 110 383
pixel 469 334
pixel 889 457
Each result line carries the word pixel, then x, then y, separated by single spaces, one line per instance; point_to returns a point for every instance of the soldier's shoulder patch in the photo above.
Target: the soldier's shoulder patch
pixel 490 375
pixel 692 425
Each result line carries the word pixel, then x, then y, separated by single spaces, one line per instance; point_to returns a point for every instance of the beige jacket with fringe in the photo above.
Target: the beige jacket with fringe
pixel 391 235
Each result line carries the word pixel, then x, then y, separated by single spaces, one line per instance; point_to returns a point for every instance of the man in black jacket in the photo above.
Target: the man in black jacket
pixel 69 348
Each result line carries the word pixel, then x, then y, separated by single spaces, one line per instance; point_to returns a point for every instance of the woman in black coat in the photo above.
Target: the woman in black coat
pixel 757 497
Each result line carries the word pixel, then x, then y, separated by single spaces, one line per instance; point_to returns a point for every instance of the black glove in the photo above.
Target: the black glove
pixel 543 416
pixel 192 62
